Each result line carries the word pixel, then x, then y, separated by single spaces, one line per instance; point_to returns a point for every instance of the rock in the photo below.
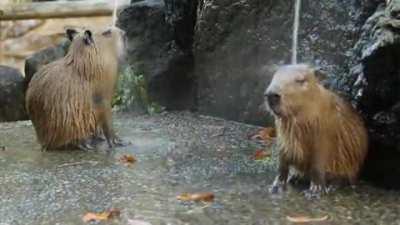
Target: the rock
pixel 12 98
pixel 238 44
pixel 159 46
pixel 43 57
pixel 373 85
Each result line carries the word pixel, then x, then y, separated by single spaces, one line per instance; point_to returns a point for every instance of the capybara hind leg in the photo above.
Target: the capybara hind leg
pixel 280 181
pixel 317 184
pixel 98 136
pixel 112 139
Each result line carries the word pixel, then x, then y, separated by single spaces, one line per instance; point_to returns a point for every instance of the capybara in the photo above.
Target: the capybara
pixel 69 100
pixel 319 134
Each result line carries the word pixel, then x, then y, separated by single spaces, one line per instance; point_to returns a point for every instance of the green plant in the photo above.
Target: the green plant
pixel 132 93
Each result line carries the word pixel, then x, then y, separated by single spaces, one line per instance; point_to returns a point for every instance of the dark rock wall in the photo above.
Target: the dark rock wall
pixel 160 38
pixel 12 97
pixel 217 56
pixel 373 85
pixel 238 44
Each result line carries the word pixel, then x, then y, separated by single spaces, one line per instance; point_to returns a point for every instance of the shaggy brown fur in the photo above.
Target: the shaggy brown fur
pixel 69 100
pixel 319 134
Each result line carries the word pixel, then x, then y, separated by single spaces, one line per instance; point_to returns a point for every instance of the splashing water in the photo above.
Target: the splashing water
pixel 295 31
pixel 114 18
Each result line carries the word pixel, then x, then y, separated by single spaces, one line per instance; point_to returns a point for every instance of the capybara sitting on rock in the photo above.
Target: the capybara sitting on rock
pixel 319 134
pixel 69 100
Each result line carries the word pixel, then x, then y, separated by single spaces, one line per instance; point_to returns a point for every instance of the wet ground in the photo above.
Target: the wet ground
pixel 176 153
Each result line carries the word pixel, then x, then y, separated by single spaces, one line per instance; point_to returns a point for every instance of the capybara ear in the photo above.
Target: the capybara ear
pixel 87 37
pixel 71 33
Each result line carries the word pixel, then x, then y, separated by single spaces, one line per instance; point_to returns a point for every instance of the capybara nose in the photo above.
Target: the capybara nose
pixel 273 98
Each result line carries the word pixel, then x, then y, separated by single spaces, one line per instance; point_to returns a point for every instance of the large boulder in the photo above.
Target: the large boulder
pixel 12 98
pixel 239 43
pixel 373 85
pixel 160 36
pixel 43 57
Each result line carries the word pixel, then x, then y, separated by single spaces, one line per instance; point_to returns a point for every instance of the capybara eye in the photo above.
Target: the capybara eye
pixel 301 80
pixel 107 33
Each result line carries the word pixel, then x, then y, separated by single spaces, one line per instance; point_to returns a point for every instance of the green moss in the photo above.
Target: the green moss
pixel 132 93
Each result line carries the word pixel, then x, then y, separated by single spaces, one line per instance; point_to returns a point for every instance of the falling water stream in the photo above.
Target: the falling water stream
pixel 114 16
pixel 296 30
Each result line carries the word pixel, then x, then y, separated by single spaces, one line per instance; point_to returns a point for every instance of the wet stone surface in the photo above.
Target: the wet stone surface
pixel 176 153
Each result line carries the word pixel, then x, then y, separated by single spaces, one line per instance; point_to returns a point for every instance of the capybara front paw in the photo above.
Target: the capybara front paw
pixel 274 189
pixel 117 142
pixel 315 191
pixel 85 146
pixel 277 186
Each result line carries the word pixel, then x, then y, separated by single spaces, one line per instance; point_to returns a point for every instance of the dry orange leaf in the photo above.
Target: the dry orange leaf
pixel 261 154
pixel 204 197
pixel 265 134
pixel 127 159
pixel 306 219
pixel 112 213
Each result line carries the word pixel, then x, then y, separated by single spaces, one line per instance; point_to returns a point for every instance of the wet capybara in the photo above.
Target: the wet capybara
pixel 319 134
pixel 69 100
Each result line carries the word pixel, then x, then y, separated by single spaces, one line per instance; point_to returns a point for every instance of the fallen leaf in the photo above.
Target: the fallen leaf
pixel 204 197
pixel 127 160
pixel 306 219
pixel 265 134
pixel 103 216
pixel 261 154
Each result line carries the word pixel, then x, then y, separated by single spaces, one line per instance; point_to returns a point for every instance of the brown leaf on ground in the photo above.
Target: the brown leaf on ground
pixel 127 160
pixel 306 219
pixel 204 197
pixel 261 154
pixel 103 216
pixel 266 134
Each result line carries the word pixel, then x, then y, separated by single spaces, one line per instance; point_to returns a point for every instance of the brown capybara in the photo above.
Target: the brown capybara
pixel 319 134
pixel 69 100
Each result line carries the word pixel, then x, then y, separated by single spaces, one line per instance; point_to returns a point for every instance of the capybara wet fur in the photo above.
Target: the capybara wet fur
pixel 320 135
pixel 69 100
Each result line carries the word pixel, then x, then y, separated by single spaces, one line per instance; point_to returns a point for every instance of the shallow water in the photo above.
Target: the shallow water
pixel 176 152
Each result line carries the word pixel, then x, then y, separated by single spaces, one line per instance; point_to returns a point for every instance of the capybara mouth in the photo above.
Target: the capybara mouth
pixel 273 101
pixel 273 108
pixel 276 110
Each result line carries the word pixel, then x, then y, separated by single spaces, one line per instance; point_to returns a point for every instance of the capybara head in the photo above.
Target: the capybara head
pixel 108 41
pixel 112 40
pixel 292 91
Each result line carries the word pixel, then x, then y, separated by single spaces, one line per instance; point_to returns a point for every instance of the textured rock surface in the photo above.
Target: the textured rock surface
pixel 41 58
pixel 12 106
pixel 238 44
pixel 160 39
pixel 373 84
pixel 217 56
